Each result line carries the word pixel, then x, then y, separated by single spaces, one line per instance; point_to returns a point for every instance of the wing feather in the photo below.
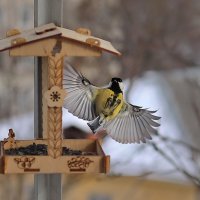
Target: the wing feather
pixel 134 130
pixel 151 122
pixel 132 125
pixel 137 129
pixel 132 140
pixel 123 132
pixel 129 129
pixel 149 115
pixel 140 132
pixel 145 130
pixel 78 106
pixel 149 127
pixel 116 128
pixel 80 93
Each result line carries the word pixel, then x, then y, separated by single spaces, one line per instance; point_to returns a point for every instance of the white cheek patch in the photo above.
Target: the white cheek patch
pixel 121 85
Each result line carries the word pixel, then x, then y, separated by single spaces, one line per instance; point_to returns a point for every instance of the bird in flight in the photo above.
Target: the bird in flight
pixel 105 108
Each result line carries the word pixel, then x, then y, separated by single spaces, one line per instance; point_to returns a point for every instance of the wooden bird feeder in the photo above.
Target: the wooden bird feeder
pixel 53 43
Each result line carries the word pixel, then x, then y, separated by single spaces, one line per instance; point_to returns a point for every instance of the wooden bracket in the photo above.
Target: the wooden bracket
pixel 84 31
pixel 12 32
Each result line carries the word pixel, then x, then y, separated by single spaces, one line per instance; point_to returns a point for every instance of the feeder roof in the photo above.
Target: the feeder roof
pixel 15 38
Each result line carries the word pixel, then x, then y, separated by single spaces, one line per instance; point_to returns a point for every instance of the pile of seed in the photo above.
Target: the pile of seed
pixel 41 149
pixel 68 151
pixel 33 149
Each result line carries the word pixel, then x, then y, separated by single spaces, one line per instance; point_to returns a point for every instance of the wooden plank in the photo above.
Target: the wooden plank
pixel 1 158
pixel 46 48
pixel 99 148
pixel 1 165
pixel 41 48
pixel 75 48
pixel 107 164
pixel 47 164
pixel 29 36
pixel 44 102
pixel 103 45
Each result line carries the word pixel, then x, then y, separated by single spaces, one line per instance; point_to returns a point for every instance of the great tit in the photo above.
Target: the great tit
pixel 105 108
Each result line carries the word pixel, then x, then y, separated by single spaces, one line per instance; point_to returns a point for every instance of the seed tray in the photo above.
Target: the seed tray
pixel 31 156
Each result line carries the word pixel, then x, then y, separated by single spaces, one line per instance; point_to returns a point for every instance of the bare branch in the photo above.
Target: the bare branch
pixel 194 179
pixel 179 142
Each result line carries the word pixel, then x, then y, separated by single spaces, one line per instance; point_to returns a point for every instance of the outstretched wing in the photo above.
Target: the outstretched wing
pixel 80 94
pixel 132 125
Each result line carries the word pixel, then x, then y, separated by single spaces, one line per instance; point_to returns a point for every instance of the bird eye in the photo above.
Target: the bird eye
pixel 85 81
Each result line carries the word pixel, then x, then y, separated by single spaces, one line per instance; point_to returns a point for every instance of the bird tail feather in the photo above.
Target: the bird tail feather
pixel 95 125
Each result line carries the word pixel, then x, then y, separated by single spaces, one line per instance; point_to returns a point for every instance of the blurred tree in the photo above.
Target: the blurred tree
pixel 16 74
pixel 152 35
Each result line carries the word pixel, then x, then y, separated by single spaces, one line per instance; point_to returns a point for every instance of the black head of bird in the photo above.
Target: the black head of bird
pixel 117 85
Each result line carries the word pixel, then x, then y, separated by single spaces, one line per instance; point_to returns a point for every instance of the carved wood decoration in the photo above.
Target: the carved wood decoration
pixel 25 163
pixel 55 97
pixel 79 164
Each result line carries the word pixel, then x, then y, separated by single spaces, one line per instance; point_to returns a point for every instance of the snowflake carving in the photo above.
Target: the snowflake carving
pixel 55 96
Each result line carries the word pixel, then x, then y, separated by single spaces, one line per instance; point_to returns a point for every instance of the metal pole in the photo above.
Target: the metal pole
pixel 46 186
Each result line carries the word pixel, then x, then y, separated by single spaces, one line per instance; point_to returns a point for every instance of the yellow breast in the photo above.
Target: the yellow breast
pixel 108 103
